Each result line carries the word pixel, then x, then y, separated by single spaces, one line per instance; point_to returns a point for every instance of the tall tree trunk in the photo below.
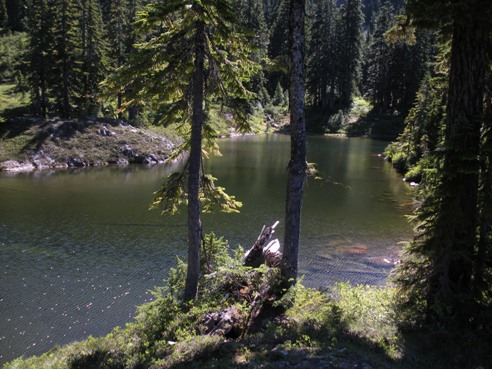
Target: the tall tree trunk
pixel 194 223
pixel 65 88
pixel 458 216
pixel 297 164
pixel 484 250
pixel 119 52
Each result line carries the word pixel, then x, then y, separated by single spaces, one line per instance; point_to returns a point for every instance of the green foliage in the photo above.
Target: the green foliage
pixel 424 126
pixel 370 311
pixel 12 49
pixel 395 62
pixel 360 107
pixel 278 106
pixel 336 122
pixel 11 100
pixel 415 174
pixel 173 194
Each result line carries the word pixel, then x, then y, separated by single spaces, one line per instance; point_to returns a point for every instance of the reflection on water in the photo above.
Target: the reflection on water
pixel 80 250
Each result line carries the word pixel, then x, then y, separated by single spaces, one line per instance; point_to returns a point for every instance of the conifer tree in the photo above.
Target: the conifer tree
pixel 278 45
pixel 67 50
pixel 40 55
pixel 251 14
pixel 322 56
pixel 121 17
pixel 440 272
pixel 350 51
pixel 193 55
pixel 378 60
pixel 16 14
pixel 4 16
pixel 94 50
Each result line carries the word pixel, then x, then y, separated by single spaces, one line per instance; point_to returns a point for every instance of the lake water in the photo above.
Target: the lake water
pixel 79 250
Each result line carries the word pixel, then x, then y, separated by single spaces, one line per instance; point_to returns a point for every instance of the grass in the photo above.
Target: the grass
pixel 11 101
pixel 62 140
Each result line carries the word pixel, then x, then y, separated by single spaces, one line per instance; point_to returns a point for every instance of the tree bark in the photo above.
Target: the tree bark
pixel 194 223
pixel 484 250
pixel 297 164
pixel 458 216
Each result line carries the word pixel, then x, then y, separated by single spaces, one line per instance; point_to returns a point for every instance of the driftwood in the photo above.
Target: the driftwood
pixel 263 252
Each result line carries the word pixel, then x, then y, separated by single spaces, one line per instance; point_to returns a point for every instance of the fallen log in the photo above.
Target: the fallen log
pixel 263 252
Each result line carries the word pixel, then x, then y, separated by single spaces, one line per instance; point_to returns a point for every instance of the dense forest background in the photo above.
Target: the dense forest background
pixel 59 52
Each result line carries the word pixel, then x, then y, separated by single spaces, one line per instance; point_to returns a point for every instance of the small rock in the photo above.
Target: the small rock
pixel 150 159
pixel 127 150
pixel 77 162
pixel 104 131
pixel 121 161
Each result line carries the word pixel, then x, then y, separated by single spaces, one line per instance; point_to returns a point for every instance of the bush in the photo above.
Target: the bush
pixel 399 162
pixel 360 107
pixel 414 174
pixel 336 122
pixel 12 47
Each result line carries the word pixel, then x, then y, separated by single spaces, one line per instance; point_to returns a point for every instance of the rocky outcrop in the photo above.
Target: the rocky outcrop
pixel 59 143
pixel 15 166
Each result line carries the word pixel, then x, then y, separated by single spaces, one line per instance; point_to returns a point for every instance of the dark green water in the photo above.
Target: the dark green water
pixel 79 250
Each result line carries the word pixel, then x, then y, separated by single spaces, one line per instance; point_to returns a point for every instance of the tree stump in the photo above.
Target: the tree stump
pixel 263 252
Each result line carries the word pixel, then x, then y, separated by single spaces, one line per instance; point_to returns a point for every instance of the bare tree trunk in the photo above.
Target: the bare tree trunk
pixel 194 223
pixel 484 251
pixel 297 164
pixel 458 214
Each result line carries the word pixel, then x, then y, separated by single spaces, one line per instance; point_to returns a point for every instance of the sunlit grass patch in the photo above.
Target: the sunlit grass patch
pixel 10 100
pixel 370 312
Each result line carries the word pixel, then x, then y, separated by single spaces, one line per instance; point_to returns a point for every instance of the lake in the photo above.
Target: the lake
pixel 80 250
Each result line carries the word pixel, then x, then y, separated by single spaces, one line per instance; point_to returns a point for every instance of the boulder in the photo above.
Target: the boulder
pixel 127 151
pixel 150 159
pixel 15 166
pixel 104 131
pixel 122 161
pixel 77 162
pixel 42 161
pixel 227 322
